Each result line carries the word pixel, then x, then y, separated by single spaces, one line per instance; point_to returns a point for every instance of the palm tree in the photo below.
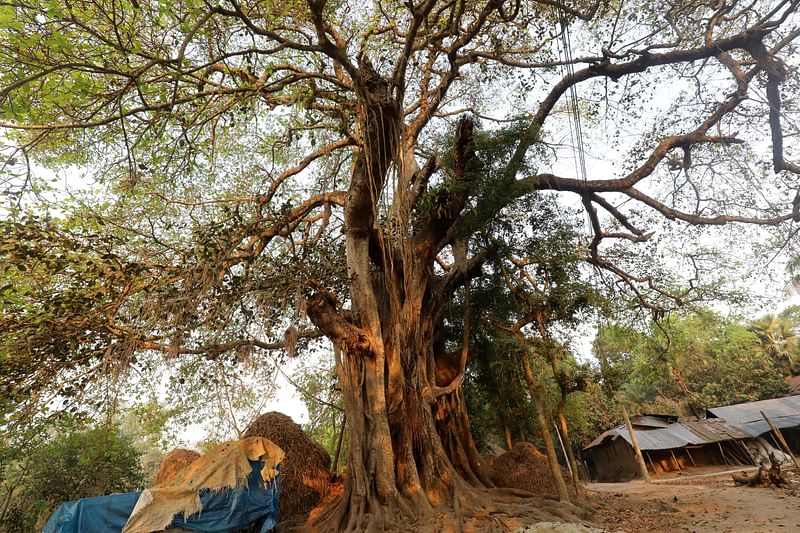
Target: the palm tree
pixel 778 338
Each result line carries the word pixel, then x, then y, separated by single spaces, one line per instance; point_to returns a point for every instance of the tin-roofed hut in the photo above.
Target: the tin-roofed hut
pixel 784 413
pixel 667 445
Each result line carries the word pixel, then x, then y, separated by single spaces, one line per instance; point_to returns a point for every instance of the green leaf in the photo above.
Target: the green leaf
pixel 8 19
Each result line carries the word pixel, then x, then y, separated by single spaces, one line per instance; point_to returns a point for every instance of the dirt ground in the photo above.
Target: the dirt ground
pixel 700 504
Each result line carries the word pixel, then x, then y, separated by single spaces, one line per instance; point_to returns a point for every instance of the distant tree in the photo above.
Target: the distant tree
pixel 590 412
pixel 316 383
pixel 77 463
pixel 552 294
pixel 538 292
pixel 745 376
pixel 777 335
pixel 617 348
pixel 497 401
pixel 17 514
pixel 688 363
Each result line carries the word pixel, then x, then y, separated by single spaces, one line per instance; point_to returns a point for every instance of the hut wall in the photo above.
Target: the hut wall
pixel 663 460
pixel 792 436
pixel 614 461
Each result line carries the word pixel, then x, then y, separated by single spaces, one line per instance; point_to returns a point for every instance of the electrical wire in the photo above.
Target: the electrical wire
pixel 573 109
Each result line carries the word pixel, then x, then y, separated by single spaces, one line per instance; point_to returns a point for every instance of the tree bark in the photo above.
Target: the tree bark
pixel 410 450
pixel 758 478
pixel 763 477
pixel 414 460
pixel 573 463
pixel 452 425
pixel 637 452
pixel 550 449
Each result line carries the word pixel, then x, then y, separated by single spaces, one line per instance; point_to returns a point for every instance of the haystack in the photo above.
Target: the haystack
pixel 524 467
pixel 173 463
pixel 305 471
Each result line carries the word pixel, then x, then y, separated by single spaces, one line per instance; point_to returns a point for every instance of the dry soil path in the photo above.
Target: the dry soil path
pixel 703 505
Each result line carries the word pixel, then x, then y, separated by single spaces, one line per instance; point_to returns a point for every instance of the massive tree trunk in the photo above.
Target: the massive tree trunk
pixel 410 451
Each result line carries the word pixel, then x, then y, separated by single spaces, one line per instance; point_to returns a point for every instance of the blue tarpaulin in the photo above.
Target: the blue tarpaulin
pixel 225 511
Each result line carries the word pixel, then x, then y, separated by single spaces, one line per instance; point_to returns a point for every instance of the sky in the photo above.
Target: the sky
pixel 287 401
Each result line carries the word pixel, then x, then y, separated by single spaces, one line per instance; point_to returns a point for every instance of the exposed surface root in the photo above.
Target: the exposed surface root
pixel 472 510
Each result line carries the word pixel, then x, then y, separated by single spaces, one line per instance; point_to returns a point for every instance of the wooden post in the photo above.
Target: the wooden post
pixel 747 452
pixel 675 460
pixel 636 450
pixel 724 458
pixel 655 472
pixel 778 434
pixel 563 450
pixel 690 457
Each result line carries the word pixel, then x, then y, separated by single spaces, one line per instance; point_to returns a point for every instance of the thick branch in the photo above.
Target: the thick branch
pixel 615 71
pixel 322 310
pixel 212 351
pixel 452 197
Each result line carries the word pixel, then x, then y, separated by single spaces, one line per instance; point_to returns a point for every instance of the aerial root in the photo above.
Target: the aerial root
pixel 468 509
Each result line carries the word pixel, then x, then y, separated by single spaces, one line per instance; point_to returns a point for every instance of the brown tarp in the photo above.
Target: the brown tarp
pixel 225 467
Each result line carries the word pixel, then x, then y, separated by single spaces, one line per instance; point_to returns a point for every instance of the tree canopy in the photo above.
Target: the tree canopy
pixel 245 176
pixel 688 363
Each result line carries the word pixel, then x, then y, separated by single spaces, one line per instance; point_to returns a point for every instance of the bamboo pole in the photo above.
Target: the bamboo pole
pixel 778 434
pixel 749 455
pixel 688 454
pixel 655 472
pixel 675 460
pixel 563 450
pixel 722 452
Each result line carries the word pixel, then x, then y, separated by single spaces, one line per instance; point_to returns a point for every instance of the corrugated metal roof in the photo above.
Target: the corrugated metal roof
pixel 731 422
pixel 715 430
pixel 783 412
pixel 676 435
pixel 610 434
pixel 653 421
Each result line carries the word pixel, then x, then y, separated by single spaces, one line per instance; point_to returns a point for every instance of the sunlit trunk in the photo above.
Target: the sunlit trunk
pixel 413 460
pixel 564 428
pixel 541 417
pixel 635 443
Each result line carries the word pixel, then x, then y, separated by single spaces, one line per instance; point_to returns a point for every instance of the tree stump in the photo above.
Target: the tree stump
pixel 765 476
pixel 758 478
pixel 776 475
